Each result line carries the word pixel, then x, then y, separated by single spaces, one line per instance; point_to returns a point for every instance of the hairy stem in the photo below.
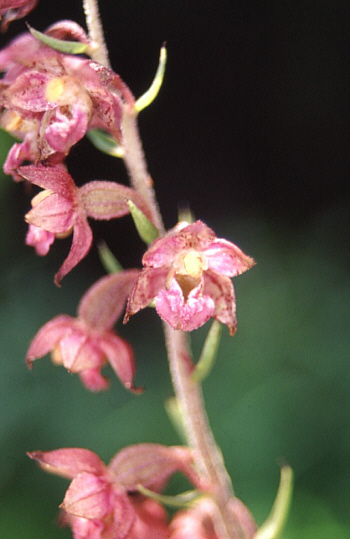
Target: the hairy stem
pixel 198 432
pixel 134 159
pixel 93 22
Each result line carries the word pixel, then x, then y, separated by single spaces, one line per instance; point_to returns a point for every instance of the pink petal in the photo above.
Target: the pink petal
pixel 151 465
pixel 79 352
pixel 24 151
pixel 54 214
pixel 48 336
pixel 146 288
pixel 82 240
pixel 88 496
pixel 84 528
pixel 93 380
pixel 28 92
pixel 40 239
pixel 179 314
pixel 69 462
pixel 55 179
pixel 220 289
pixel 103 303
pixel 151 520
pixel 63 128
pixel 121 358
pixel 226 258
pixel 123 517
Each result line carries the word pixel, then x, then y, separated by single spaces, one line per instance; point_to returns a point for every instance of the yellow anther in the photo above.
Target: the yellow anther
pixel 54 89
pixel 193 264
pixel 13 122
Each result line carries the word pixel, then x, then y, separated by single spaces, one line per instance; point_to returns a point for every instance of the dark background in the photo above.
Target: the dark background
pixel 251 129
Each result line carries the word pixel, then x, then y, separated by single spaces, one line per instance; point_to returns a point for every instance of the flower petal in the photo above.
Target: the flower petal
pixel 179 314
pixel 54 214
pixel 151 465
pixel 103 303
pixel 49 336
pixel 226 258
pixel 69 462
pixel 121 358
pixel 82 240
pixel 56 179
pixel 146 288
pixel 79 352
pixel 88 496
pixel 220 289
pixel 93 380
pixel 40 239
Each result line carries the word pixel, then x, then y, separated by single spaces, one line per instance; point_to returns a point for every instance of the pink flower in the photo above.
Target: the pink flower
pixel 102 502
pixel 62 208
pixel 84 344
pixel 188 273
pixel 50 99
pixel 197 522
pixel 11 10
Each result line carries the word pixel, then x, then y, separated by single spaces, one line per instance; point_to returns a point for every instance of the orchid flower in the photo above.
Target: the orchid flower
pixel 51 99
pixel 62 208
pixel 187 273
pixel 103 502
pixel 85 344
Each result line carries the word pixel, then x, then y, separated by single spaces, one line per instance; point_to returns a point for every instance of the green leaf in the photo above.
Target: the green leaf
pixel 273 526
pixel 147 231
pixel 68 47
pixel 108 260
pixel 105 143
pixel 209 353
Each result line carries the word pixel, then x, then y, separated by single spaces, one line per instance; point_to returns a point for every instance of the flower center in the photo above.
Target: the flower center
pixel 193 264
pixel 188 271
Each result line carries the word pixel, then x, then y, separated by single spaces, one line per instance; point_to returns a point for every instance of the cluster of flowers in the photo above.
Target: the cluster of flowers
pixel 49 101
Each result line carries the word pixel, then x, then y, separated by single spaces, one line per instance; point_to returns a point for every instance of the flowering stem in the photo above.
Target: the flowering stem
pixel 198 432
pixel 99 51
pixel 135 162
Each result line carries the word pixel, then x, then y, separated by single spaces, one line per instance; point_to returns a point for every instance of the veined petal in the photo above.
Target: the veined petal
pixel 69 462
pixel 189 315
pixel 226 258
pixel 120 356
pixel 103 303
pixel 123 517
pixel 94 380
pixel 63 129
pixel 28 92
pixel 82 240
pixel 54 214
pixel 88 496
pixel 79 352
pixel 56 179
pixel 151 465
pixel 49 336
pixel 220 289
pixel 146 288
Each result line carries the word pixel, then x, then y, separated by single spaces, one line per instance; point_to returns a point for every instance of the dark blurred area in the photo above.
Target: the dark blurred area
pixel 251 129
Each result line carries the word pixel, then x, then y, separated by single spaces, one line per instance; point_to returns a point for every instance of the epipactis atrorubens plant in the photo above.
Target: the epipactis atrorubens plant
pixel 58 87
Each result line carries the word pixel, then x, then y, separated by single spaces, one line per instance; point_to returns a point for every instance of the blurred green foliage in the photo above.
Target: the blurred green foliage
pixel 279 389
